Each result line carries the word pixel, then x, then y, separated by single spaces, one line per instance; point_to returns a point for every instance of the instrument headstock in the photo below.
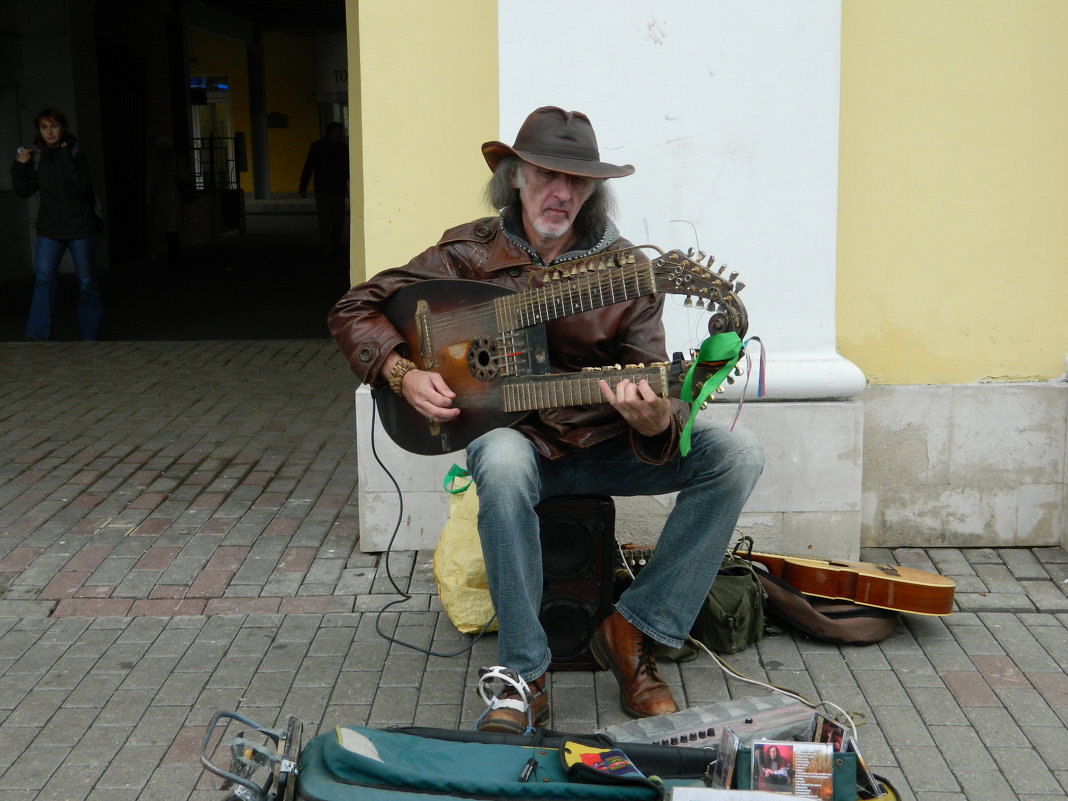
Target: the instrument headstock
pixel 691 274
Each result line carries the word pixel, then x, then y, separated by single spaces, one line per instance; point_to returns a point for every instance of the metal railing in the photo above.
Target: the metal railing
pixel 214 162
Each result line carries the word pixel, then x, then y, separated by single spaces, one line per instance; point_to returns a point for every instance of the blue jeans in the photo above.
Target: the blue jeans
pixel 48 254
pixel 714 481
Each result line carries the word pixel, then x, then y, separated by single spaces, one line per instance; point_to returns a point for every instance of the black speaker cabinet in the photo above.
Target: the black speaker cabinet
pixel 578 549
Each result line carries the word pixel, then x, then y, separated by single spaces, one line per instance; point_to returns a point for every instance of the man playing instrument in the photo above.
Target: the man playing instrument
pixel 554 206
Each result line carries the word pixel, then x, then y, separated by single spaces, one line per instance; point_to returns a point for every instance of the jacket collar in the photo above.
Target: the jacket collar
pixel 588 244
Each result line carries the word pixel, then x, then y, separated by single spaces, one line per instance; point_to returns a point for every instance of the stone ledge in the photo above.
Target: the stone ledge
pixel 808 500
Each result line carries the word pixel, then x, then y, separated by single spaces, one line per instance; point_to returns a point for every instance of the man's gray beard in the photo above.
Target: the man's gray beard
pixel 553 234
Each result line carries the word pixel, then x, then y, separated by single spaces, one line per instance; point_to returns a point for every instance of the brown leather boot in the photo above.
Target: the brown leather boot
pixel 629 654
pixel 512 711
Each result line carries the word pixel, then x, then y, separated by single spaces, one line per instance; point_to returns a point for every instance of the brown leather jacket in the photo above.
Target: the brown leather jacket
pixel 630 332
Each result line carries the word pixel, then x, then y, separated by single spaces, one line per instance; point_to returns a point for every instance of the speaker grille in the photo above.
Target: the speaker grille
pixel 578 554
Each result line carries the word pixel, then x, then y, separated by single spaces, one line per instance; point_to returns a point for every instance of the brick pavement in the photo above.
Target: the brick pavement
pixel 177 536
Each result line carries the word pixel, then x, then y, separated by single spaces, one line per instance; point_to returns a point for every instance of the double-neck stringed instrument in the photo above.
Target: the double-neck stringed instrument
pixel 489 342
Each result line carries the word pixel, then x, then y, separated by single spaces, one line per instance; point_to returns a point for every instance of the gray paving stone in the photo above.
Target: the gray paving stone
pixel 99 749
pixel 1019 642
pixel 997 725
pixel 1025 771
pixel 94 690
pixel 1023 563
pixel 35 767
pixel 131 767
pixel 318 671
pixel 171 783
pixel 158 726
pixel 24 608
pixel 1028 707
pixel 1046 595
pixel 902 726
pixel 283 585
pixel 269 688
pixel 403 668
pixel 331 640
pixel 926 768
pixel 178 688
pixel 176 638
pixel 66 727
pixel 66 673
pixel 356 688
pixel 981 556
pixel 937 707
pixel 70 783
pixel 994 602
pixel 394 706
pixel 340 714
pixel 1051 556
pixel 977 640
pixel 14 740
pixel 36 707
pixel 443 716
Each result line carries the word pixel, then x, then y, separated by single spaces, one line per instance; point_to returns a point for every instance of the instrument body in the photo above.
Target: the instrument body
pixel 902 589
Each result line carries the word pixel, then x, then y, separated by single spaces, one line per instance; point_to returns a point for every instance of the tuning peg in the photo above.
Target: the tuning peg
pixel 722 267
pixel 700 304
pixel 738 287
pixel 737 369
pixel 730 379
pixel 689 253
pixel 732 276
pixel 555 276
pixel 688 303
pixel 700 255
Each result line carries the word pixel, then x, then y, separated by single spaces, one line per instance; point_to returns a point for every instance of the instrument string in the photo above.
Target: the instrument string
pixel 577 292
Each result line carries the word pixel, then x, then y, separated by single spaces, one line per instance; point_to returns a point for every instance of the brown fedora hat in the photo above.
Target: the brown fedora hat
pixel 557 140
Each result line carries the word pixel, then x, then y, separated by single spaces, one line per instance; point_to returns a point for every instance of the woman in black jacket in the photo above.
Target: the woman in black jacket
pixel 56 170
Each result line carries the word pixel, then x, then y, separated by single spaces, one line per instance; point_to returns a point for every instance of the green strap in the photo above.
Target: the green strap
pixel 454 473
pixel 725 348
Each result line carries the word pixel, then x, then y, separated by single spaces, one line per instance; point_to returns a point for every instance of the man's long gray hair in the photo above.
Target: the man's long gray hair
pixel 502 195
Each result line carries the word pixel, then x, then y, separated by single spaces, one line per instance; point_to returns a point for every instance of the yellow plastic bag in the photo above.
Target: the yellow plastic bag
pixel 459 570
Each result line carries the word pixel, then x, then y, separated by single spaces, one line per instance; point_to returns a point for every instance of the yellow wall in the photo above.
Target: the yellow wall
pixel 290 67
pixel 219 55
pixel 953 221
pixel 427 101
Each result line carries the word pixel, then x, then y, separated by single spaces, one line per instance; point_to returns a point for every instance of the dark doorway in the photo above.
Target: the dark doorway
pixel 268 283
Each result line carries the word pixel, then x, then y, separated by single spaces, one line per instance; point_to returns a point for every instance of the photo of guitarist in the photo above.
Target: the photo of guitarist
pixel 553 206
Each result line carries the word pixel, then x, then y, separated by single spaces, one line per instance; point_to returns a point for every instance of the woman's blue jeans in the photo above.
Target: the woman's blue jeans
pixel 713 481
pixel 47 256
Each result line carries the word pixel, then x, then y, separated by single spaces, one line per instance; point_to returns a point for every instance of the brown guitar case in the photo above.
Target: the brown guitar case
pixel 838 622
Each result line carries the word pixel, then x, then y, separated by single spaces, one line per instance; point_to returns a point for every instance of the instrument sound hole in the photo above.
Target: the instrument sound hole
pixel 482 359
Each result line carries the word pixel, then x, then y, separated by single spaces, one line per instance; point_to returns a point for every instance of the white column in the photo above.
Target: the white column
pixel 729 112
